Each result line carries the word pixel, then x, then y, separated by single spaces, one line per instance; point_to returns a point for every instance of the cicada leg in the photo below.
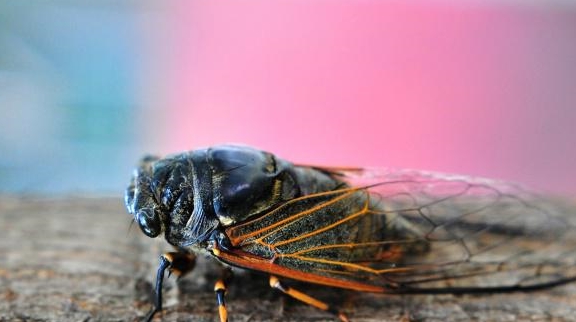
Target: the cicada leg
pixel 275 283
pixel 220 290
pixel 178 263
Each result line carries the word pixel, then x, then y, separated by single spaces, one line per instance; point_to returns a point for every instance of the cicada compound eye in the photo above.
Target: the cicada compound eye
pixel 149 222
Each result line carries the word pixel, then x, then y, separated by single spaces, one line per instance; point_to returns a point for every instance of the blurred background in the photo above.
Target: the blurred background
pixel 485 88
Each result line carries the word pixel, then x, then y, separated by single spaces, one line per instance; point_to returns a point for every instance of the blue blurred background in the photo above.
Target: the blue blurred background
pixel 67 95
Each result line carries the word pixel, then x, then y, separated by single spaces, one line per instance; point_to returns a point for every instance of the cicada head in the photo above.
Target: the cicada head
pixel 168 196
pixel 141 200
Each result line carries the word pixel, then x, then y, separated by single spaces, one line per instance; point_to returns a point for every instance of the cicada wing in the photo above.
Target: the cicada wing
pixel 407 230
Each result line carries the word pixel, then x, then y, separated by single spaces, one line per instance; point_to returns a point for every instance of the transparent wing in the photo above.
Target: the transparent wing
pixel 409 231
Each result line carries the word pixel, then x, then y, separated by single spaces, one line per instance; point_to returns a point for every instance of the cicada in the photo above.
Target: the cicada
pixel 369 230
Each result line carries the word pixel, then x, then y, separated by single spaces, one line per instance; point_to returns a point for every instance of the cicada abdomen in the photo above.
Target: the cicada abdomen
pixel 420 232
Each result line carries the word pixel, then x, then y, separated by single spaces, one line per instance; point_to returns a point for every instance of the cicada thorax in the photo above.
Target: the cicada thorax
pixel 248 182
pixel 190 196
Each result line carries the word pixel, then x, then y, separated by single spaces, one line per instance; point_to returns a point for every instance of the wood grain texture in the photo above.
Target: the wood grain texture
pixel 75 259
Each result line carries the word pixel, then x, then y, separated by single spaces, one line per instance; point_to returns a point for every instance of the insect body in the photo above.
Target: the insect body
pixel 384 231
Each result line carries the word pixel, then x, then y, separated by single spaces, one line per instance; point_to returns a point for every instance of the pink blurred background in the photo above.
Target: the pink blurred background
pixel 482 89
pixel 485 88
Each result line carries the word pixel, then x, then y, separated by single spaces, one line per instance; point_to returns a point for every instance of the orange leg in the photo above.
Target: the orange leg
pixel 275 283
pixel 220 289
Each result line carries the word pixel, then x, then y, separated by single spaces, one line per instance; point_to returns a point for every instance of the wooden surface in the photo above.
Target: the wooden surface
pixel 75 259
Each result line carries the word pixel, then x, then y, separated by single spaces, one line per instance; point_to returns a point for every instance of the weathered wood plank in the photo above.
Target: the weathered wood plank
pixel 74 259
